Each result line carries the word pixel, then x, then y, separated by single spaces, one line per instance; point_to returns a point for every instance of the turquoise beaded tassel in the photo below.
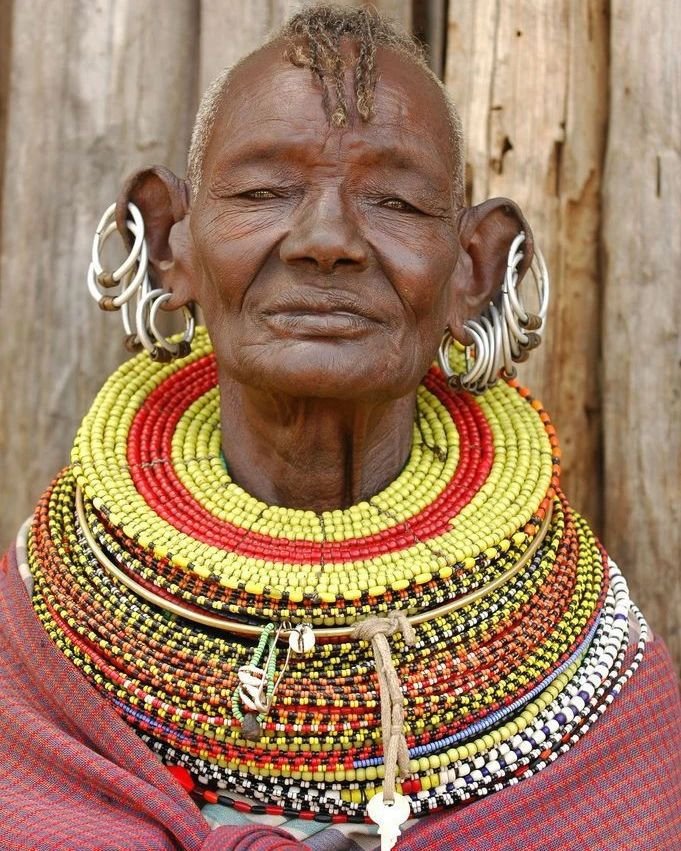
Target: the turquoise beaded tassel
pixel 256 685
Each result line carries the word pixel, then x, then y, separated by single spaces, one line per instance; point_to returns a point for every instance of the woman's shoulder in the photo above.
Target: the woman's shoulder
pixel 618 787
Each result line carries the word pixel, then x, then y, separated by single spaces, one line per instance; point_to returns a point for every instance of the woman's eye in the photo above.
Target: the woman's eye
pixel 398 204
pixel 259 194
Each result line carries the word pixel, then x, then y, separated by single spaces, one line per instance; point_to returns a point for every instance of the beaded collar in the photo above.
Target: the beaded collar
pixel 520 621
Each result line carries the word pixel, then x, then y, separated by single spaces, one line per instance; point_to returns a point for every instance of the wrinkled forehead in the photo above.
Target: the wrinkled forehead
pixel 267 96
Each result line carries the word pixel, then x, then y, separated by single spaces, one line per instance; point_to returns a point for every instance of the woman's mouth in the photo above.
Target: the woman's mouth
pixel 311 313
pixel 319 323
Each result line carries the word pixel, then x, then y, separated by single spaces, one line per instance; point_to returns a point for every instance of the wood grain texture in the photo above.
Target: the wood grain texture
pixel 95 90
pixel 642 310
pixel 230 31
pixel 6 7
pixel 530 80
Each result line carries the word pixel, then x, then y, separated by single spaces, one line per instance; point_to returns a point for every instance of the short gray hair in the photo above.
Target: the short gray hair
pixel 203 127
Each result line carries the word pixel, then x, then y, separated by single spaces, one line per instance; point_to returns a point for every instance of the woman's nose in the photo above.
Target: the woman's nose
pixel 325 235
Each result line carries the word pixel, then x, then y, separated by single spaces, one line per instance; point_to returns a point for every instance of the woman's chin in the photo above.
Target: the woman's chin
pixel 331 383
pixel 322 370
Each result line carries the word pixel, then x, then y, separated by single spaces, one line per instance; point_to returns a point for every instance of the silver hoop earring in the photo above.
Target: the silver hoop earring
pixel 133 271
pixel 132 276
pixel 505 333
pixel 161 348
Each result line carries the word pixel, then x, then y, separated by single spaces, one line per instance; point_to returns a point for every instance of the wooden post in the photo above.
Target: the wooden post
pixel 530 80
pixel 429 22
pixel 95 89
pixel 230 31
pixel 642 311
pixel 5 59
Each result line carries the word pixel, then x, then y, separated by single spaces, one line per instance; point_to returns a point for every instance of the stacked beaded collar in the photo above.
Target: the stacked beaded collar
pixel 509 625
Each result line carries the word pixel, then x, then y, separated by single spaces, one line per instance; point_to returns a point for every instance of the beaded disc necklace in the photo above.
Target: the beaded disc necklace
pixel 242 641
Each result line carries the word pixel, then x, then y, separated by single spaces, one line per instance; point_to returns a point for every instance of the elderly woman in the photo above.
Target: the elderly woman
pixel 295 574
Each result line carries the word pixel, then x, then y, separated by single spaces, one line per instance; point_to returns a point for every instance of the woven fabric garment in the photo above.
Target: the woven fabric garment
pixel 74 775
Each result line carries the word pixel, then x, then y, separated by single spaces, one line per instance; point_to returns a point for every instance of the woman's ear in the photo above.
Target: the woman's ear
pixel 164 202
pixel 486 232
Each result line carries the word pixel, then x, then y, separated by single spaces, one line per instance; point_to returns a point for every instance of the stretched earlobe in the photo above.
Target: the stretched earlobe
pixel 157 192
pixel 486 233
pixel 488 315
pixel 164 201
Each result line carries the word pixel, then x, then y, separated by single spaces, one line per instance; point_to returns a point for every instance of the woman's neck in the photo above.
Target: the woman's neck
pixel 314 454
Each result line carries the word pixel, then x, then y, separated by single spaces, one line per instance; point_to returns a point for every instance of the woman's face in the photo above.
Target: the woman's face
pixel 324 256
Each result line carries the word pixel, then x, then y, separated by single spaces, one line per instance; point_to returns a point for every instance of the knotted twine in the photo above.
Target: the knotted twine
pixel 395 752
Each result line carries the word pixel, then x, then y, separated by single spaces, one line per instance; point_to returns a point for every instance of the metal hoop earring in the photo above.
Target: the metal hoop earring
pixel 160 348
pixel 133 271
pixel 132 276
pixel 183 347
pixel 131 341
pixel 444 361
pixel 506 331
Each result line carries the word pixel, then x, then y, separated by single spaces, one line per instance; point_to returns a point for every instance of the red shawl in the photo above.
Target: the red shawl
pixel 74 775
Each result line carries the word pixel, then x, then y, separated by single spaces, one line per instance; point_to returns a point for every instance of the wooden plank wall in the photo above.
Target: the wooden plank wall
pixel 571 107
pixel 501 59
pixel 94 90
pixel 641 318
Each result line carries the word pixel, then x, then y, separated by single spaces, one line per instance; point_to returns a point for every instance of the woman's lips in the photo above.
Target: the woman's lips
pixel 315 313
pixel 318 323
